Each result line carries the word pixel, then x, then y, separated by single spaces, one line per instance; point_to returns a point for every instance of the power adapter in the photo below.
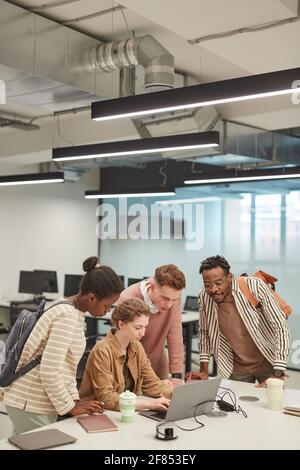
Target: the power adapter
pixel 166 434
pixel 225 406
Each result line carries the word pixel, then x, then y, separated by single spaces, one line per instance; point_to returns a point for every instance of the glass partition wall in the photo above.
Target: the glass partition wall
pixel 255 226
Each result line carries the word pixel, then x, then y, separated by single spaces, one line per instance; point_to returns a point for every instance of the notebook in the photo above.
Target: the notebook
pixel 292 410
pixel 41 439
pixel 97 423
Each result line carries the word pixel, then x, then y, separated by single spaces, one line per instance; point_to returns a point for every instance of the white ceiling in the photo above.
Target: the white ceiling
pixel 174 23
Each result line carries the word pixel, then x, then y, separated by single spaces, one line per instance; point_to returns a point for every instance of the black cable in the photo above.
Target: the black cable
pixel 235 407
pixel 232 397
pixel 201 425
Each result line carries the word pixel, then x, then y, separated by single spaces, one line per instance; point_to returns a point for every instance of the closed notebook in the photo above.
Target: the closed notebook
pixel 292 410
pixel 41 439
pixel 97 423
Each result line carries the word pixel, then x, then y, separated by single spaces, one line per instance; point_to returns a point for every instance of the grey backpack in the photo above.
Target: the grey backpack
pixel 16 341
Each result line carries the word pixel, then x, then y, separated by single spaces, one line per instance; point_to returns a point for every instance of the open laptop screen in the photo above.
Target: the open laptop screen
pixel 188 400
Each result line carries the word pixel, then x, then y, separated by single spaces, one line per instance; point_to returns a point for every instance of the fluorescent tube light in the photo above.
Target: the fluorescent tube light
pixel 137 147
pixel 36 178
pixel 225 91
pixel 235 176
pixel 188 200
pixel 121 194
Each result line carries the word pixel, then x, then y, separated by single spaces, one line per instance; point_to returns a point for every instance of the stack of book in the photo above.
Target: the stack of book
pixel 292 410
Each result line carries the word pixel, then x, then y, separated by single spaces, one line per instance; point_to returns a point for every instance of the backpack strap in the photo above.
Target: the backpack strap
pixel 37 360
pixel 42 309
pixel 60 302
pixel 247 293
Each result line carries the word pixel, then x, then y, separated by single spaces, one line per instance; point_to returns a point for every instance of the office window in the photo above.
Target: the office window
pixel 267 227
pixel 293 227
pixel 237 228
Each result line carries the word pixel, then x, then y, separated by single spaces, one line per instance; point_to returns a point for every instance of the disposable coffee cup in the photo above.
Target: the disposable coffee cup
pixel 127 402
pixel 275 394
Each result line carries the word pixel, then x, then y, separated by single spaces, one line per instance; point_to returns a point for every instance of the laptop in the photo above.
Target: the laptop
pixel 41 439
pixel 191 304
pixel 186 401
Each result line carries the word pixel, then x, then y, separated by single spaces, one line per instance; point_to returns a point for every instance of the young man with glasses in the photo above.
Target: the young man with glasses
pixel 162 294
pixel 248 343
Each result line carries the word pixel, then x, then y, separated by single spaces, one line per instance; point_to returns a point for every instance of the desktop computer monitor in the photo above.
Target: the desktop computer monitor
pixel 133 280
pixel 30 282
pixel 72 283
pixel 122 279
pixel 48 279
pixel 191 303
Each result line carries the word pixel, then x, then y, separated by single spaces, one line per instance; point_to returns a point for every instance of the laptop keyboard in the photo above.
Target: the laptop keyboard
pixel 159 414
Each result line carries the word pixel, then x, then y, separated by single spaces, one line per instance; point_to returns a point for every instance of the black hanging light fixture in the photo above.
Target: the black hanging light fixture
pixel 235 176
pixel 34 178
pixel 129 193
pixel 138 146
pixel 225 91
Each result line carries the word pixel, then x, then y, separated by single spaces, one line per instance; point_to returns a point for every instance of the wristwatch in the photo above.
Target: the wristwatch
pixel 278 373
pixel 176 375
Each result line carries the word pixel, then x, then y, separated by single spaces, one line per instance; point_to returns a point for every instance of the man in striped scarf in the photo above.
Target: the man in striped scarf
pixel 248 343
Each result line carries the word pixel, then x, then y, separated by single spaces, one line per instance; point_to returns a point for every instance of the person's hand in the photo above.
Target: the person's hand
pixel 196 376
pixel 159 404
pixel 87 407
pixel 175 382
pixel 168 382
pixel 264 383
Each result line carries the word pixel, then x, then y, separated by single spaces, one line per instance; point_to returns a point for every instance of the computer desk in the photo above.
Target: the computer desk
pixel 189 320
pixel 263 429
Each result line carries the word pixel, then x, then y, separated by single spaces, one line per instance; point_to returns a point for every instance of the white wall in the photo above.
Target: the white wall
pixel 48 226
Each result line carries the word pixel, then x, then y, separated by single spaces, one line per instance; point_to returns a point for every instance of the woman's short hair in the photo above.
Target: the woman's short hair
pixel 128 310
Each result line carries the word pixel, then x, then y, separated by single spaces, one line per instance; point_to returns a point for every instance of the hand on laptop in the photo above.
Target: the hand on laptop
pixel 159 404
pixel 86 407
pixel 196 376
pixel 173 382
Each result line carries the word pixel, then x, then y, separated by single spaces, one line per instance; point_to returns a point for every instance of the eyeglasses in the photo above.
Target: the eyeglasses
pixel 218 283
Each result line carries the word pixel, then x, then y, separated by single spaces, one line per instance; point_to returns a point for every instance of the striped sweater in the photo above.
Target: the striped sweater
pixel 50 388
pixel 267 327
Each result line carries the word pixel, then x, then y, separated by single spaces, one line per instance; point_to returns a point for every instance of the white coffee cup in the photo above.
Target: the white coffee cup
pixel 127 402
pixel 275 394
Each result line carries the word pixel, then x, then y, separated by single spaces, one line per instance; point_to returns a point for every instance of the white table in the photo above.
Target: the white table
pixel 263 429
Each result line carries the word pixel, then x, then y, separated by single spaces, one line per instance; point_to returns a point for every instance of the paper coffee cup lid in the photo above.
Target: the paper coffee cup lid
pixel 127 395
pixel 272 382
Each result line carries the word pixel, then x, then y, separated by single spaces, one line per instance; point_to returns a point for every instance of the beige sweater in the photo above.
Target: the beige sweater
pixel 50 388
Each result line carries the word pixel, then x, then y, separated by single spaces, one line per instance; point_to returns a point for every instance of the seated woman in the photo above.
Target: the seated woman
pixel 118 363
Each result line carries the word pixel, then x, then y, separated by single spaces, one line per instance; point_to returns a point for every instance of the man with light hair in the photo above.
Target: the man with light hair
pixel 162 294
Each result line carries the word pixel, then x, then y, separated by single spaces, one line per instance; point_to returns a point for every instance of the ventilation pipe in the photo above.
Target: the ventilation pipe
pixel 145 51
